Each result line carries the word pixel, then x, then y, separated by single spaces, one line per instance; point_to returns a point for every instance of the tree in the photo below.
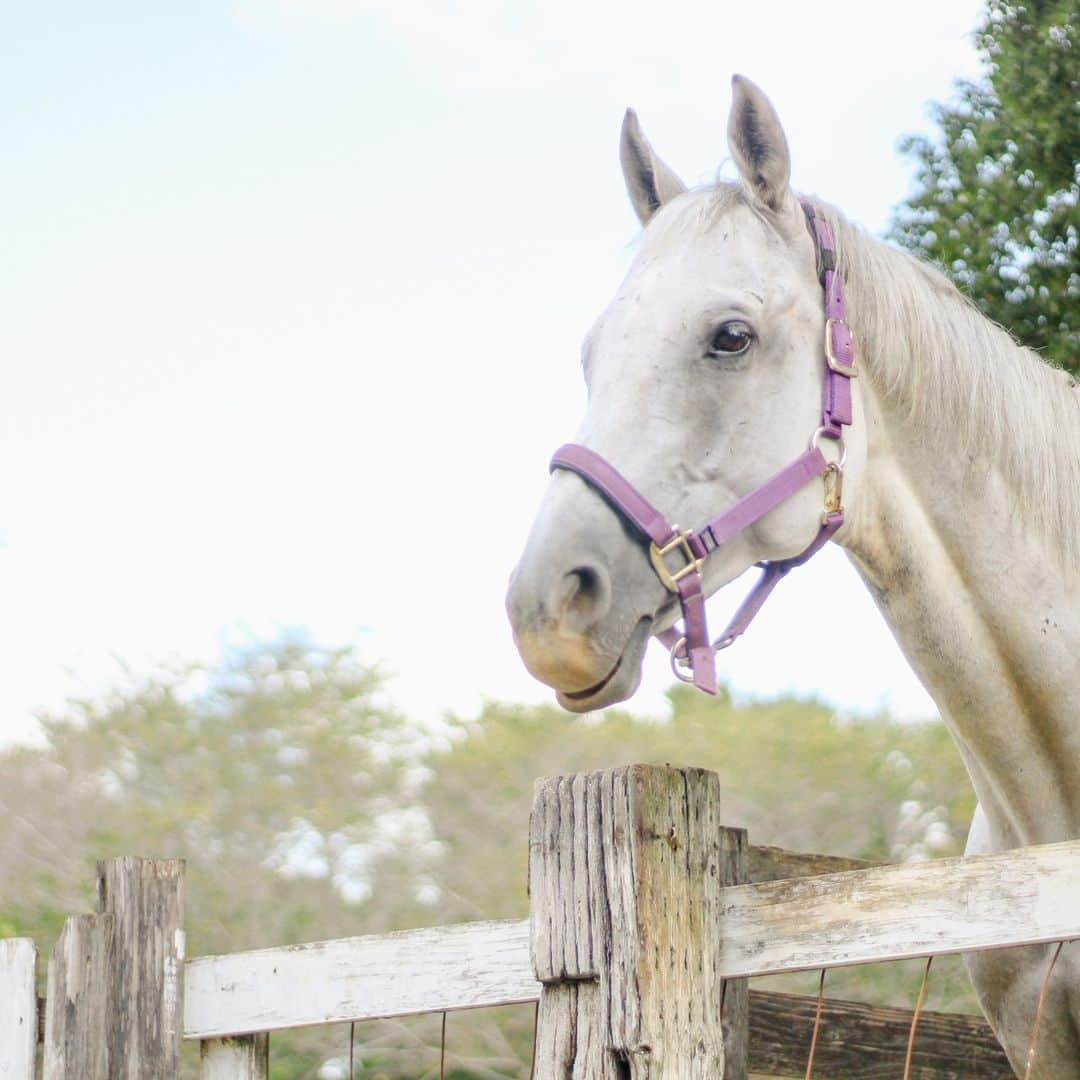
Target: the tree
pixel 308 808
pixel 794 772
pixel 279 775
pixel 997 198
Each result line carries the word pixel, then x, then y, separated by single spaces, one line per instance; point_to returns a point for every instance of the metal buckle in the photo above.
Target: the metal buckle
pixel 831 358
pixel 680 541
pixel 834 491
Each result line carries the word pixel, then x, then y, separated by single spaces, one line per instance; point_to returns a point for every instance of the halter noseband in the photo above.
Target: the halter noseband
pixel 690 647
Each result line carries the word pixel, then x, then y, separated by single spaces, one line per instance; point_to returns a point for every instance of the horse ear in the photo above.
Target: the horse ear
pixel 758 144
pixel 648 180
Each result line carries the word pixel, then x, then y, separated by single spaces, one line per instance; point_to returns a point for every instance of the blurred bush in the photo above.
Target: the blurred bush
pixel 307 807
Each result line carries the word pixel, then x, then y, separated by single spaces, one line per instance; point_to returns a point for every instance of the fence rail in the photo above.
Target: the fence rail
pixel 868 1042
pixel 1023 897
pixel 632 846
pixel 362 978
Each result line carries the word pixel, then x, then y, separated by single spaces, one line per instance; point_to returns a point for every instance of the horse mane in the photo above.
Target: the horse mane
pixel 936 358
pixel 931 353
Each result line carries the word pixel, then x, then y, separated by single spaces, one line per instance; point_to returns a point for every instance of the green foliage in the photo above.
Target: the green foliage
pixel 266 775
pixel 307 808
pixel 799 775
pixel 997 200
pixel 796 774
pixel 279 776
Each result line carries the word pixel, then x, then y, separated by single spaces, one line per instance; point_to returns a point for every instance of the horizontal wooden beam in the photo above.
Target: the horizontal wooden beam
pixel 361 978
pixel 863 916
pixel 765 863
pixel 1021 897
pixel 865 1042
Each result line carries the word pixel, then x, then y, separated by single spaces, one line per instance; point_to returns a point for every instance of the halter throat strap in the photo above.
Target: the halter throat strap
pixel 689 646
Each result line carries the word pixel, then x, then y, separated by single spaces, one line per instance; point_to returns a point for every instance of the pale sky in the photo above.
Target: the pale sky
pixel 291 302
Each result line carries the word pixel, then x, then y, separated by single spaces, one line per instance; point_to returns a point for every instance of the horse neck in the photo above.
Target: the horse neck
pixel 973 590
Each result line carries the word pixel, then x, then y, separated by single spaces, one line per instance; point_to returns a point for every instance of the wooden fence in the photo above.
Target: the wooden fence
pixel 647 917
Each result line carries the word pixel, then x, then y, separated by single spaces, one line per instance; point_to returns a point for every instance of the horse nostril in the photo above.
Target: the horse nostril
pixel 586 596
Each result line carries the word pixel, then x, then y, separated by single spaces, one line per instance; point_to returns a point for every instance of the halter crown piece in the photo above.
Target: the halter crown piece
pixel 690 647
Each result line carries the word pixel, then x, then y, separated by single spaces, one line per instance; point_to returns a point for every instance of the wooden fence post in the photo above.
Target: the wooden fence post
pixel 115 1005
pixel 146 1007
pixel 76 1001
pixel 626 870
pixel 18 1009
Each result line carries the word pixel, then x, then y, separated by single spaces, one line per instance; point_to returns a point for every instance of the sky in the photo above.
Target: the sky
pixel 291 304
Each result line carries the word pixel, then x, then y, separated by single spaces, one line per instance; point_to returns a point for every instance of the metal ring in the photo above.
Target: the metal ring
pixel 680 662
pixel 838 439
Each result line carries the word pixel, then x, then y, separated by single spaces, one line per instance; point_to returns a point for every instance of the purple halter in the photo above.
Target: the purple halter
pixel 690 647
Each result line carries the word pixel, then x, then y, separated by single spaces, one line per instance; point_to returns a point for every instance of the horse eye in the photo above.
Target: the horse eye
pixel 730 339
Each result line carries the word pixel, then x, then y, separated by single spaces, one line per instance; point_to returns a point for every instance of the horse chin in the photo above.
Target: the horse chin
pixel 619 683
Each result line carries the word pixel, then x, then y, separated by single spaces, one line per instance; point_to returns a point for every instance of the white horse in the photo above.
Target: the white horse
pixel 962 492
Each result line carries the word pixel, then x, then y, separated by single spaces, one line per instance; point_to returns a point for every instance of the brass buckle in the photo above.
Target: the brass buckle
pixel 834 491
pixel 680 541
pixel 834 487
pixel 831 358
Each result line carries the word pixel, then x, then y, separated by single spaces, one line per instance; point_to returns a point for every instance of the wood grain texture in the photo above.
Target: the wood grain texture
pixel 735 993
pixel 572 1036
pixel 18 1009
pixel 359 978
pixel 243 1057
pixel 412 971
pixel 1020 897
pixel 948 905
pixel 878 913
pixel 863 1042
pixel 146 965
pixel 626 872
pixel 765 863
pixel 77 1002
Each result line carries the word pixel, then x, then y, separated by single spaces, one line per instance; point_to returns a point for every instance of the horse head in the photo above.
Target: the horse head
pixel 704 377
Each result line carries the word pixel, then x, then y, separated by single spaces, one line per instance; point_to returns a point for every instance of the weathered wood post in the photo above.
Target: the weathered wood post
pixel 115 1004
pixel 77 999
pixel 626 870
pixel 18 1009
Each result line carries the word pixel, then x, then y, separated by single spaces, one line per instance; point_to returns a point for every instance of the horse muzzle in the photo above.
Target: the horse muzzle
pixel 569 631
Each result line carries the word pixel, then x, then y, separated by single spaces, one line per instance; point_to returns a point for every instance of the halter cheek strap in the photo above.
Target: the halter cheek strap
pixel 689 645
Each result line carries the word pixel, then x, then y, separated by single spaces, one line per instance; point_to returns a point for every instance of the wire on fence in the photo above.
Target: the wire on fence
pixel 536 1024
pixel 1039 1011
pixel 910 1063
pixel 442 1049
pixel 817 1024
pixel 919 1002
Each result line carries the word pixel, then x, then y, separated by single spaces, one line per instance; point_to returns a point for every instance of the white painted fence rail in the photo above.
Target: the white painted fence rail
pixel 359 978
pixel 1023 897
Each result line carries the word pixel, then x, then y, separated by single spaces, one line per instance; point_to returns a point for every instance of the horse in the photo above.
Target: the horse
pixel 960 471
